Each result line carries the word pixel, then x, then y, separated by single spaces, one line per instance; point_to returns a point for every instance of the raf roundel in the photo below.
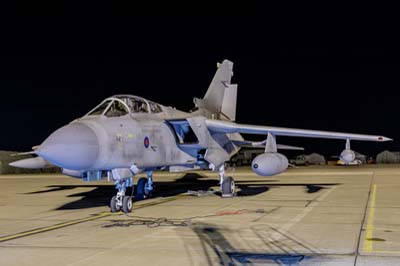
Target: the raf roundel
pixel 146 142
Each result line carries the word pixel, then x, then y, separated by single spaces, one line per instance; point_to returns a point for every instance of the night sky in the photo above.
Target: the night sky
pixel 330 70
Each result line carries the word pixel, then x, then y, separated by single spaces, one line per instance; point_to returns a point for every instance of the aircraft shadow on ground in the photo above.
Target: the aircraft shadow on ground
pixel 278 247
pixel 100 194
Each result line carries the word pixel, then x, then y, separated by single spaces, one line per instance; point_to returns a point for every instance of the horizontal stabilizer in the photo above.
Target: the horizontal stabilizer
pixel 32 163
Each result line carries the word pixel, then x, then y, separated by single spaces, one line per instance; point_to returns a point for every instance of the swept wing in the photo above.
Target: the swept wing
pixel 220 126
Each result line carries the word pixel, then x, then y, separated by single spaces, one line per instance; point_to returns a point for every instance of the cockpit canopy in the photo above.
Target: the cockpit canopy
pixel 120 105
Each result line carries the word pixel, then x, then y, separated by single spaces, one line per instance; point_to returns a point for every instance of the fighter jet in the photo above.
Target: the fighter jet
pixel 126 135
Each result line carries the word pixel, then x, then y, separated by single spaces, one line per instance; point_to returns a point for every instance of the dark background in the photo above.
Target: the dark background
pixel 319 67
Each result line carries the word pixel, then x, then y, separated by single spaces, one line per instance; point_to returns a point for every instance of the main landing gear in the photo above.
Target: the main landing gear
pixel 144 187
pixel 227 184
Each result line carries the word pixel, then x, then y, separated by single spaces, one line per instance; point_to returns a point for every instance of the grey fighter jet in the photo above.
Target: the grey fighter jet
pixel 126 135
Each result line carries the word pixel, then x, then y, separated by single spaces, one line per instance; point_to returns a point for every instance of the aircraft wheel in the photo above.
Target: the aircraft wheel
pixel 127 204
pixel 141 189
pixel 228 187
pixel 113 205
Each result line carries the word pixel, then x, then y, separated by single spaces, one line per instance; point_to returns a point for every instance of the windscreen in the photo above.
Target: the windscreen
pixel 155 108
pixel 135 105
pixel 116 109
pixel 100 109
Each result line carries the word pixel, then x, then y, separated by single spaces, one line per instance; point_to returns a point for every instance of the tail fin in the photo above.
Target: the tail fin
pixel 220 98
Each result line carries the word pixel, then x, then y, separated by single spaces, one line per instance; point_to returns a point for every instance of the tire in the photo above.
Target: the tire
pixel 228 187
pixel 127 204
pixel 113 205
pixel 140 189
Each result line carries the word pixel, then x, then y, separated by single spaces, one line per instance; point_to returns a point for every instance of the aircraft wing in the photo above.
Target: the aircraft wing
pixel 33 151
pixel 232 127
pixel 261 144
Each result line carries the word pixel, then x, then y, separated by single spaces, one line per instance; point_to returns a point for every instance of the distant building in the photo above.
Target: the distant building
pixel 310 159
pixel 388 157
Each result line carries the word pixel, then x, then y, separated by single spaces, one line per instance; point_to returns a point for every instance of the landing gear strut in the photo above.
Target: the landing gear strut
pixel 144 186
pixel 122 201
pixel 227 183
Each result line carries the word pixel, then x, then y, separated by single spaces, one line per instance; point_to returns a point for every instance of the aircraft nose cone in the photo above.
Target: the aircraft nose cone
pixel 74 146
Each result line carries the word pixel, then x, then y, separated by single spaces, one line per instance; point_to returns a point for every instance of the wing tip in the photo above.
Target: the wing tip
pixel 383 139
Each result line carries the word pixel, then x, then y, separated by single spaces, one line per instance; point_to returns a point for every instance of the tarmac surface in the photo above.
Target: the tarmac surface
pixel 305 216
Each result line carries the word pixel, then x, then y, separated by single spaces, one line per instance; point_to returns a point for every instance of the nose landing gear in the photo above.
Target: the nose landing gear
pixel 122 201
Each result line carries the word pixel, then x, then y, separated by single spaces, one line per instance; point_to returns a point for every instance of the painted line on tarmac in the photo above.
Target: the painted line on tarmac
pixel 82 220
pixel 368 244
pixel 53 227
pixel 386 252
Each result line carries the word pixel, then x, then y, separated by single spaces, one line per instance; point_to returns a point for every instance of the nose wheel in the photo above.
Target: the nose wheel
pixel 122 201
pixel 113 205
pixel 125 204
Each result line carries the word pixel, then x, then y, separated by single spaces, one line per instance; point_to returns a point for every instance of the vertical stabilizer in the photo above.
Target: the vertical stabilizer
pixel 228 108
pixel 220 98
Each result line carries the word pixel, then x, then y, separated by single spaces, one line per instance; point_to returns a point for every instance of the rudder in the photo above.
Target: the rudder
pixel 220 98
